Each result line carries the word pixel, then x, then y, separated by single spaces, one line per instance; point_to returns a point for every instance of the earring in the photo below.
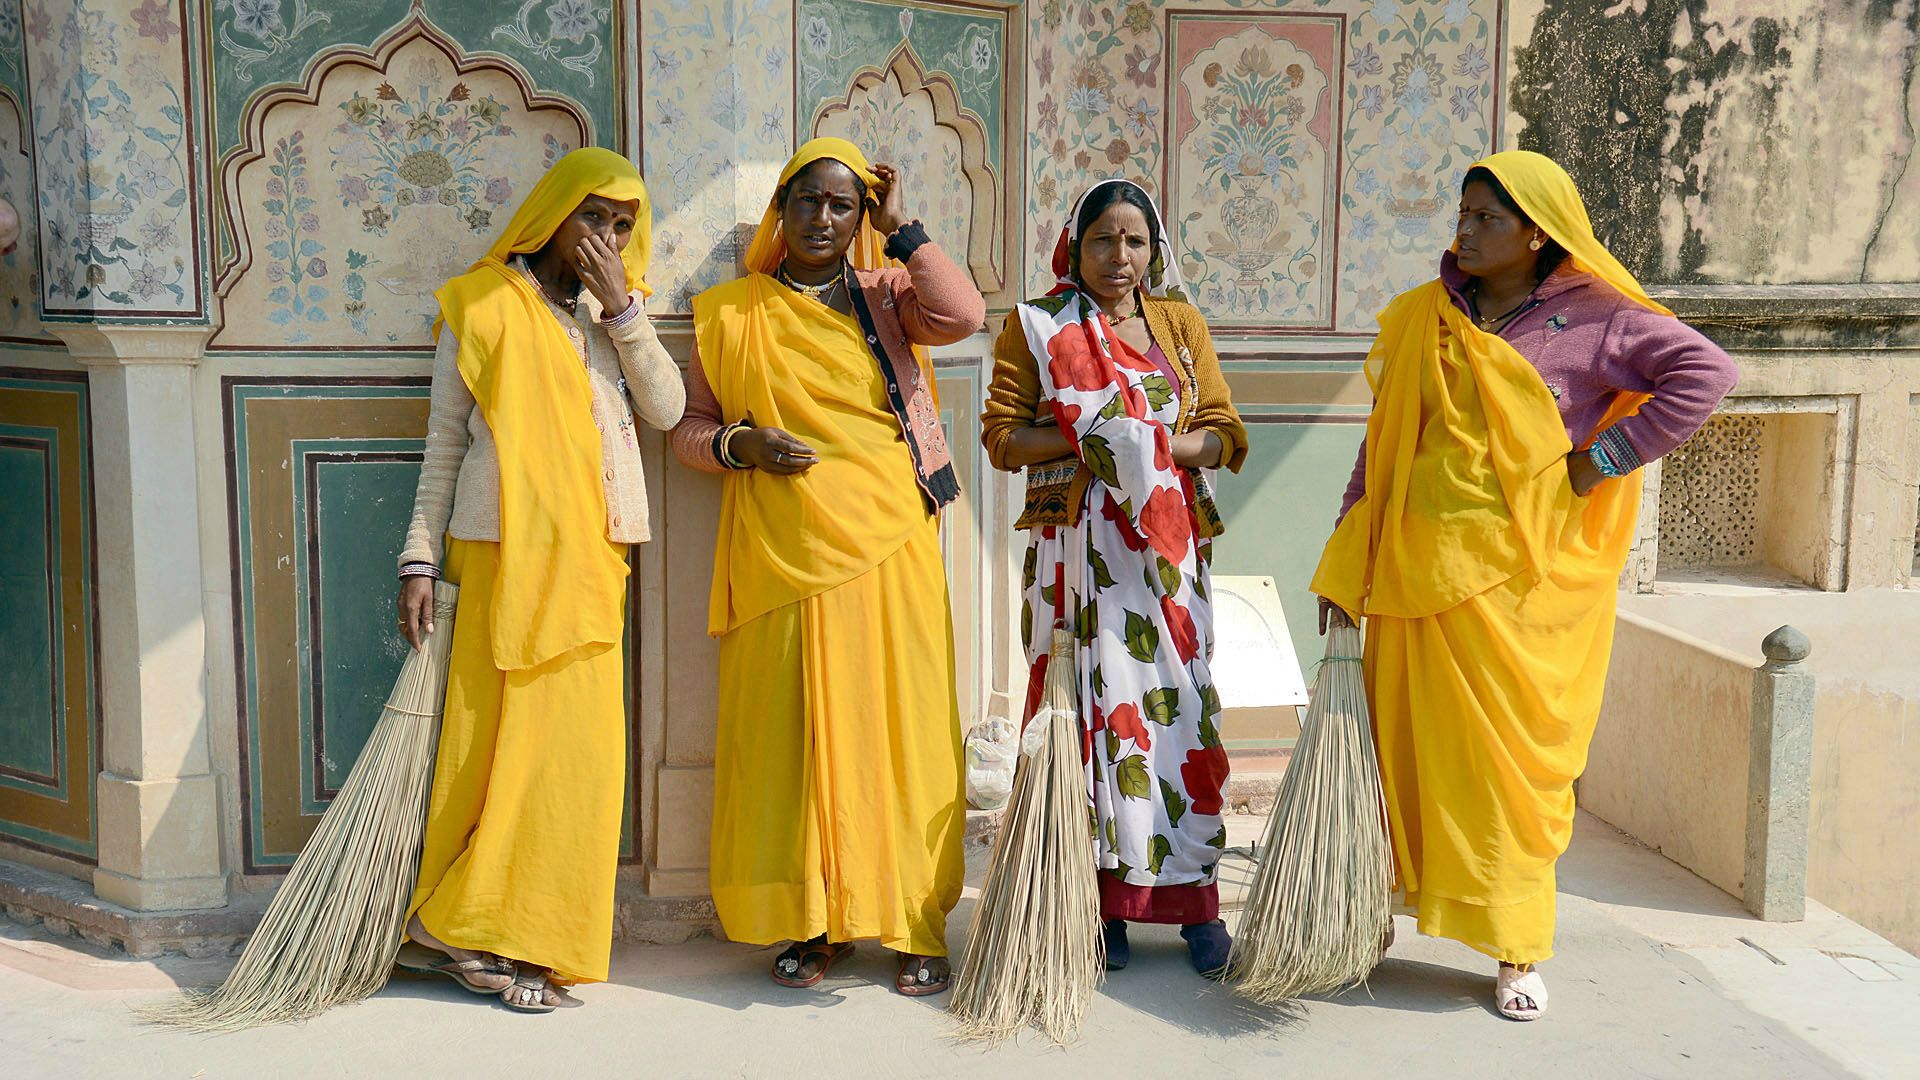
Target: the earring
pixel 1536 244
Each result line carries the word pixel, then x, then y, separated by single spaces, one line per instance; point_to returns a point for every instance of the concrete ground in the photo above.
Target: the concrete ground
pixel 1659 974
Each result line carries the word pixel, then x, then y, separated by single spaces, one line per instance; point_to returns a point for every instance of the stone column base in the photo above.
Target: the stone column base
pixel 159 844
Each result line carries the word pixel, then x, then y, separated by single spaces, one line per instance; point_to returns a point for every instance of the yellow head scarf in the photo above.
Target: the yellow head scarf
pixel 1466 473
pixel 769 241
pixel 560 585
pixel 1546 195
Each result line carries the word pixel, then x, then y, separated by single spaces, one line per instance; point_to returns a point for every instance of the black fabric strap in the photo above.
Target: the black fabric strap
pixel 906 240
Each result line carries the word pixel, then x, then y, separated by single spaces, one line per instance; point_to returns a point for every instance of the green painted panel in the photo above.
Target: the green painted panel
pixel 1279 511
pixel 27 693
pixel 839 37
pixel 567 46
pixel 358 508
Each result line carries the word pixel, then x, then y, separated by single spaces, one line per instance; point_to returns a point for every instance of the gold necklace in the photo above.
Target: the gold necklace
pixel 811 292
pixel 1488 322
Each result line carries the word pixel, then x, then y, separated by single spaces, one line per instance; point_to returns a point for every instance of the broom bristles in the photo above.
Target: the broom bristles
pixel 1318 906
pixel 331 932
pixel 1035 954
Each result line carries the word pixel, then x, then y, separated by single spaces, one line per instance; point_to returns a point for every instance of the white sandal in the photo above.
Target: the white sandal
pixel 1515 985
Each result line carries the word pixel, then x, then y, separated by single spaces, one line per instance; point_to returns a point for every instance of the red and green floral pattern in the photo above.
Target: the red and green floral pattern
pixel 1131 581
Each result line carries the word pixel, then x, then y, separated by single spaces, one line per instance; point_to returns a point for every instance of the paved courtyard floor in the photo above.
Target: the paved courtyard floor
pixel 1658 975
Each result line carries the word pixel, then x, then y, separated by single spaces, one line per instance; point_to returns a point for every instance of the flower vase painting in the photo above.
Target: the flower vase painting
pixel 1251 168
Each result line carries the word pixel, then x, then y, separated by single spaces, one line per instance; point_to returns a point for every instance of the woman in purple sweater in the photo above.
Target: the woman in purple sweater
pixel 1482 536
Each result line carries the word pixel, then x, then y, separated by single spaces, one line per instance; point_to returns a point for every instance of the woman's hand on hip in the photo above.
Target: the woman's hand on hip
pixel 598 264
pixel 1582 473
pixel 416 609
pixel 770 449
pixel 891 213
pixel 1333 617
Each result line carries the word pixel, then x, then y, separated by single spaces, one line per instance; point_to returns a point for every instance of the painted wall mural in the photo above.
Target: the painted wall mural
pixel 49 702
pixel 921 86
pixel 113 146
pixel 717 122
pixel 1409 105
pixel 1252 165
pixel 357 200
pixel 565 53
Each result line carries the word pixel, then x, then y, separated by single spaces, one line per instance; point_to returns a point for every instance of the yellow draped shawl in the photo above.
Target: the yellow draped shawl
pixel 560 584
pixel 1466 474
pixel 781 359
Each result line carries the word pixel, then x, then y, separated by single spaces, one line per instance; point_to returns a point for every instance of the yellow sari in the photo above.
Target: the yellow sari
pixel 523 827
pixel 837 782
pixel 1489 591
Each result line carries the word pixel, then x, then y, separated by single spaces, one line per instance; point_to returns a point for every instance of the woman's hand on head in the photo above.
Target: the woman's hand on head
pixel 891 213
pixel 601 270
pixel 416 609
pixel 772 450
pixel 1333 617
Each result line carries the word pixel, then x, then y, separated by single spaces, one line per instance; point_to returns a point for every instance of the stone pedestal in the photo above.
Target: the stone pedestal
pixel 158 811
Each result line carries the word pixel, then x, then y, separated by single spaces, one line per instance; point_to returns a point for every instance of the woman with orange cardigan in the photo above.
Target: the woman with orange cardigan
pixel 1109 394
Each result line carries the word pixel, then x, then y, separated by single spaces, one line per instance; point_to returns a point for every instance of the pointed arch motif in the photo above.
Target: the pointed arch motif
pixel 894 88
pixel 236 254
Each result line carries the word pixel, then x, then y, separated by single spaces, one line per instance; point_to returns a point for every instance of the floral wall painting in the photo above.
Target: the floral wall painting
pixel 573 51
pixel 717 120
pixel 966 45
pixel 1395 98
pixel 1251 166
pixel 113 159
pixel 367 193
pixel 914 120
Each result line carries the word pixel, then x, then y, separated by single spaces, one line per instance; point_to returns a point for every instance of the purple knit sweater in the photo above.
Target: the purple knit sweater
pixel 1588 342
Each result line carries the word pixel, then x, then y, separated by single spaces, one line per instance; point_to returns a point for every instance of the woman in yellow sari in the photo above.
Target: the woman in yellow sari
pixel 1484 549
pixel 838 810
pixel 532 473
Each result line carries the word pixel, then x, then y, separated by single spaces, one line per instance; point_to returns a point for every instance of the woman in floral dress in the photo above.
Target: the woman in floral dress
pixel 1109 393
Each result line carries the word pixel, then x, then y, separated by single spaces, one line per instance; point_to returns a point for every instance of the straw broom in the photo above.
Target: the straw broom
pixel 1035 954
pixel 331 933
pixel 1318 905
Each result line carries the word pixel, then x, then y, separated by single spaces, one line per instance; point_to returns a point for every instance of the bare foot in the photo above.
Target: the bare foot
pixel 490 973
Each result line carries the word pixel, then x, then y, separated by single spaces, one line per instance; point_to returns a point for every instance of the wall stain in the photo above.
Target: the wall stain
pixel 1638 99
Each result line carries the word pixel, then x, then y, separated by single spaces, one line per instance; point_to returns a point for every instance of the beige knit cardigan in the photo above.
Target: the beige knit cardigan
pixel 629 370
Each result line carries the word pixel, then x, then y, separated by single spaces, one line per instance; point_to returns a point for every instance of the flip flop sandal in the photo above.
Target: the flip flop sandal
pixel 528 979
pixel 923 982
pixel 787 967
pixel 1514 986
pixel 421 960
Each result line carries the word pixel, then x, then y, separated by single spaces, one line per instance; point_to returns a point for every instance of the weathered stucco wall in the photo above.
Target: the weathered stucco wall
pixel 1731 140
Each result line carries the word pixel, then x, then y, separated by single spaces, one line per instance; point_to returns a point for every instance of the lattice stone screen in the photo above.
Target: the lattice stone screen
pixel 1710 496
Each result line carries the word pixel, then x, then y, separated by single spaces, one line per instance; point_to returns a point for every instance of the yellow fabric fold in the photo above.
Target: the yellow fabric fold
pixel 1466 477
pixel 560 585
pixel 785 361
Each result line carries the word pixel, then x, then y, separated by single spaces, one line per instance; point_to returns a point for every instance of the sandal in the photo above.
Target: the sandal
pixel 423 960
pixel 1520 994
pixel 804 963
pixel 528 978
pixel 930 975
